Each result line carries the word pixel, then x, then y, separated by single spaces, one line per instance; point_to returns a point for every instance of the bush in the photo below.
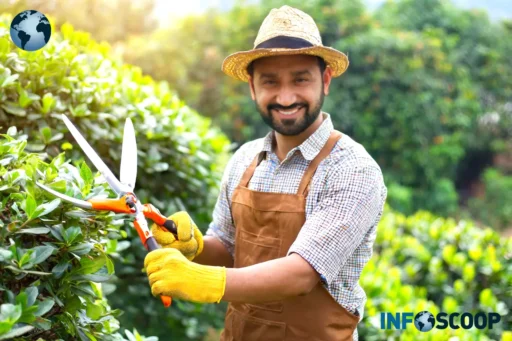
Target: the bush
pixel 52 255
pixel 180 154
pixel 424 262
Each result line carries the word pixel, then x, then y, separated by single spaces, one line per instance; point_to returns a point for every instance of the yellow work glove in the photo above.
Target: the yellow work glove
pixel 190 238
pixel 171 274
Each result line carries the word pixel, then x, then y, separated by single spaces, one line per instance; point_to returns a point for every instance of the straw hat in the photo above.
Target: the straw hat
pixel 285 31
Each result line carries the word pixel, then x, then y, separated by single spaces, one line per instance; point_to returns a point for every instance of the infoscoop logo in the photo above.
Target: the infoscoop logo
pixel 424 321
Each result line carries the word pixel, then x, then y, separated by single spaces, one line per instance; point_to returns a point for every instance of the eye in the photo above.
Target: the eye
pixel 269 82
pixel 301 80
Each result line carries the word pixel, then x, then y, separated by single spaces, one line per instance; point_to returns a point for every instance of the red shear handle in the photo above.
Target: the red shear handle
pixel 154 214
pixel 150 244
pixel 114 205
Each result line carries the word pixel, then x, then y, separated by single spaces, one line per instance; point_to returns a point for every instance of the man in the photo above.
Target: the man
pixel 296 217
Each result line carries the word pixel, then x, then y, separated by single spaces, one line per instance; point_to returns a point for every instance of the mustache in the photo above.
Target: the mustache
pixel 290 107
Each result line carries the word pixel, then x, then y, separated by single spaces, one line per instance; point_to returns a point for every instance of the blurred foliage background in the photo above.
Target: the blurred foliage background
pixel 427 93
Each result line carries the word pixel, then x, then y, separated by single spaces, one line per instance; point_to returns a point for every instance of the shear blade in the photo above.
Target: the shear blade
pixel 76 202
pixel 95 159
pixel 129 156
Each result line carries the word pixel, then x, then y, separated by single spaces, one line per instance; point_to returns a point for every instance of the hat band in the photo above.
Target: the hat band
pixel 284 42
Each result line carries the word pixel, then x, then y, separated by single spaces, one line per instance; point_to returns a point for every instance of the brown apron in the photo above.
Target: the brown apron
pixel 266 226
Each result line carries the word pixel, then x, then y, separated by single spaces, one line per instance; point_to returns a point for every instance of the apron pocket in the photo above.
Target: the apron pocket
pixel 256 329
pixel 252 249
pixel 276 306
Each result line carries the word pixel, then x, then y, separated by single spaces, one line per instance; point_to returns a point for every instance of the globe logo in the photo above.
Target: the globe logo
pixel 30 30
pixel 424 321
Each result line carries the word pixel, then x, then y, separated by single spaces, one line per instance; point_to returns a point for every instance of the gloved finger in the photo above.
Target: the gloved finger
pixel 184 224
pixel 157 288
pixel 187 248
pixel 162 236
pixel 155 256
pixel 156 276
pixel 198 237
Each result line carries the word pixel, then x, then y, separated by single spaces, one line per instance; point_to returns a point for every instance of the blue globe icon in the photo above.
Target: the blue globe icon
pixel 30 30
pixel 424 321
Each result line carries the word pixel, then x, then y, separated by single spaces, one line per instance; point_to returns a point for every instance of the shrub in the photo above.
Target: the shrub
pixel 53 255
pixel 180 154
pixel 424 262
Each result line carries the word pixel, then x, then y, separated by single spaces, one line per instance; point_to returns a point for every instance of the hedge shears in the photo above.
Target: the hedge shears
pixel 126 202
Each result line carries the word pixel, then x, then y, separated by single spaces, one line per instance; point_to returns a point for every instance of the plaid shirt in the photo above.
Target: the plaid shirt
pixel 343 207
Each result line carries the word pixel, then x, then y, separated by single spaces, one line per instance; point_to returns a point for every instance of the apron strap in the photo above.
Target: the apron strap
pixel 250 170
pixel 324 152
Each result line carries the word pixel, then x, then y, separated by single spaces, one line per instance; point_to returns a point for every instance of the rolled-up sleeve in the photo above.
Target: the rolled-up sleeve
pixel 345 211
pixel 222 226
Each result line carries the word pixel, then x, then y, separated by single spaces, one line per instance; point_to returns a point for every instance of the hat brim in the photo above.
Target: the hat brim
pixel 235 65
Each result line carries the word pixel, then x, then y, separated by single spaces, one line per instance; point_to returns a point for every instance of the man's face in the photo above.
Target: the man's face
pixel 289 91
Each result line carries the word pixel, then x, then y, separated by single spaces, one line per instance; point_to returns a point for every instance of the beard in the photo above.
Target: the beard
pixel 292 126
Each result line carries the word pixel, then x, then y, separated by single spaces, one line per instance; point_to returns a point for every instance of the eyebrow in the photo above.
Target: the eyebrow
pixel 295 74
pixel 301 73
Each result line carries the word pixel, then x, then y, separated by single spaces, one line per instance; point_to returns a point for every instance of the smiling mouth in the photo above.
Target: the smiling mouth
pixel 289 112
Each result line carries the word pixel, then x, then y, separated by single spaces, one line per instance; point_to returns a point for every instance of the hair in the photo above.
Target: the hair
pixel 321 64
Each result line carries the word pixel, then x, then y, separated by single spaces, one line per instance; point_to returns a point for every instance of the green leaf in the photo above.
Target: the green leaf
pixel 46 133
pixel 85 173
pixel 57 137
pixel 42 253
pixel 61 267
pixel 16 331
pixel 12 131
pixel 90 266
pixel 14 110
pixel 26 98
pixel 22 299
pixel 71 233
pixel 32 294
pixel 5 255
pixel 34 230
pixel 94 311
pixel 27 316
pixel 9 80
pixel 110 265
pixel 84 288
pixel 10 313
pixel 56 231
pixel 30 206
pixel 48 103
pixel 25 258
pixel 81 249
pixel 46 208
pixel 92 277
pixel 44 307
pixel 42 323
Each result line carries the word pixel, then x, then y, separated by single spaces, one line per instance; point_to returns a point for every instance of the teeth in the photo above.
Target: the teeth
pixel 289 112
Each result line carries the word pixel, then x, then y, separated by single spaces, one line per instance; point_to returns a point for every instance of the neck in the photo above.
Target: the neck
pixel 284 143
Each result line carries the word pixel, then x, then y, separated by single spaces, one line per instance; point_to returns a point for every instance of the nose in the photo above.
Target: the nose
pixel 286 96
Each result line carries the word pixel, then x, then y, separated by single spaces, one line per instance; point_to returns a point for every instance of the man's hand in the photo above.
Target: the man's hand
pixel 171 274
pixel 190 238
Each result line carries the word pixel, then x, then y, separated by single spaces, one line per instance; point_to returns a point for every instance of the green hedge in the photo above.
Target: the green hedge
pixel 52 255
pixel 425 262
pixel 181 156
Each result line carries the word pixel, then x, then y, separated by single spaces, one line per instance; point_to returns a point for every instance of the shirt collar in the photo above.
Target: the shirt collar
pixel 313 144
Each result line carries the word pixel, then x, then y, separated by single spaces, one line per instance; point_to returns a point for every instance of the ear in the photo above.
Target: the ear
pixel 326 79
pixel 251 87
